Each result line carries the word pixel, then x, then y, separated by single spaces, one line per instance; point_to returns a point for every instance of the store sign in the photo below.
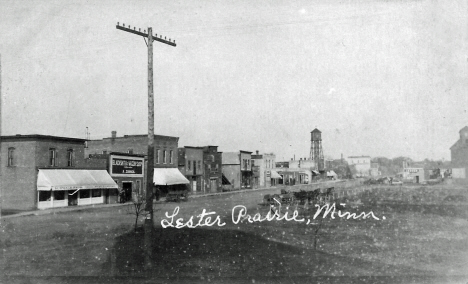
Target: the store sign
pixel 121 165
pixel 411 170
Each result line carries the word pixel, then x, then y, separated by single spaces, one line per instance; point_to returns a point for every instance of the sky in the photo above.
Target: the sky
pixel 379 78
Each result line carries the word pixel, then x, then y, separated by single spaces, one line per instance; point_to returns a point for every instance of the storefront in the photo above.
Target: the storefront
pixel 128 171
pixel 61 188
pixel 169 179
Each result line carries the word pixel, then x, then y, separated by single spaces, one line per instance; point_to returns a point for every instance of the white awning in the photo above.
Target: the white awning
pixel 168 176
pixel 275 174
pixel 331 173
pixel 315 172
pixel 55 179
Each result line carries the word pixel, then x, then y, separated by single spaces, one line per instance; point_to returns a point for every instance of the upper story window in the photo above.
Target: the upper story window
pixel 188 165
pixel 130 151
pixel 52 157
pixel 104 151
pixel 171 153
pixel 199 165
pixel 157 156
pixel 11 156
pixel 70 161
pixel 165 157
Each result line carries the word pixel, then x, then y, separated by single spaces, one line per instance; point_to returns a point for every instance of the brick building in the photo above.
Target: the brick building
pixel 166 171
pixel 41 171
pixel 192 167
pixel 213 174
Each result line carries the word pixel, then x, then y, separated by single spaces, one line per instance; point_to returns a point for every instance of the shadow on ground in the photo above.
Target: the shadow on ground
pixel 226 253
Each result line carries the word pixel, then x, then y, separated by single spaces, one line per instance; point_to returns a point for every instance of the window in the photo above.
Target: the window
pixel 164 156
pixel 44 195
pixel 59 195
pixel 84 193
pixel 104 151
pixel 96 192
pixel 170 157
pixel 199 165
pixel 11 153
pixel 157 156
pixel 130 151
pixel 188 165
pixel 52 157
pixel 70 162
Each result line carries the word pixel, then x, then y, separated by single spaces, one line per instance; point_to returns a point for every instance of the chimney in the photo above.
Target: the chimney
pixel 114 134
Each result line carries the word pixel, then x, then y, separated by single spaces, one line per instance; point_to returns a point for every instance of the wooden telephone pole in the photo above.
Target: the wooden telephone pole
pixel 150 166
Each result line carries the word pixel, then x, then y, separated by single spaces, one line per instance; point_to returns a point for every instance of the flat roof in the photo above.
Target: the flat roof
pixel 37 137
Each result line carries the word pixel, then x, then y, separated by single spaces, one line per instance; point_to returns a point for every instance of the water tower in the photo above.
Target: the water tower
pixel 316 152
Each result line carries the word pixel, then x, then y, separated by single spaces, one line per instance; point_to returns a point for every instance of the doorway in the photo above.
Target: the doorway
pixel 127 191
pixel 72 197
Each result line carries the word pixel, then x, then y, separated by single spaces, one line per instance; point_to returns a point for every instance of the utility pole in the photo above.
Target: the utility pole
pixel 1 187
pixel 150 166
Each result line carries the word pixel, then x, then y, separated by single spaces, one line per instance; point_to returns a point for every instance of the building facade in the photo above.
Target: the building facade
pixel 127 170
pixel 459 155
pixel 166 174
pixel 192 167
pixel 362 165
pixel 212 160
pixel 41 171
pixel 265 163
pixel 237 168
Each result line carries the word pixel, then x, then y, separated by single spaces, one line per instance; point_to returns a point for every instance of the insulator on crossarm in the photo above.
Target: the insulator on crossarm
pixel 117 23
pixel 144 31
pixel 139 29
pixel 174 41
pixel 164 37
pixel 123 25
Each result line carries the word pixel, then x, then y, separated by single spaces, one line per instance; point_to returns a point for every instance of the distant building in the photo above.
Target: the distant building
pixel 374 170
pixel 459 155
pixel 212 160
pixel 42 171
pixel 414 175
pixel 362 165
pixel 265 163
pixel 237 168
pixel 192 167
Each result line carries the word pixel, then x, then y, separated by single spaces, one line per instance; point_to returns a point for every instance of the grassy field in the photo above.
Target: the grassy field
pixel 423 239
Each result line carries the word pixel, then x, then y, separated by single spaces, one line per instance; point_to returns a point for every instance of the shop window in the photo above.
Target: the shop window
pixel 52 157
pixel 59 195
pixel 70 161
pixel 85 193
pixel 170 157
pixel 11 155
pixel 44 195
pixel 97 192
pixel 164 156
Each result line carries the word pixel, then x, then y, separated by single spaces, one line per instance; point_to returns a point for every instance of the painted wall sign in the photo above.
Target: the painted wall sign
pixel 126 166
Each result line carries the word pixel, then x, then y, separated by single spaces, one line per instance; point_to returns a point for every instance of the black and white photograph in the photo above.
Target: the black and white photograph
pixel 269 141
